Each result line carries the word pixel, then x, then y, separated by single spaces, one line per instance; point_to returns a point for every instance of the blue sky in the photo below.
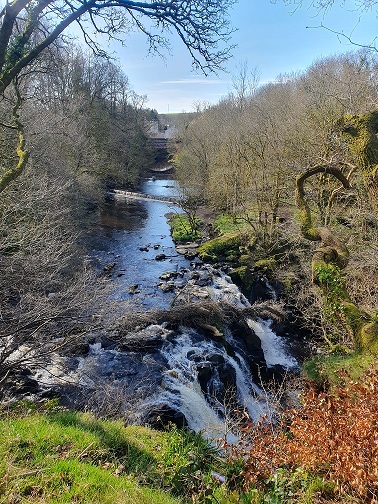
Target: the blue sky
pixel 271 37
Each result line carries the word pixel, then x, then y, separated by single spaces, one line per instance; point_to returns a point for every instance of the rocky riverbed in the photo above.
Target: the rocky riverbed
pixel 191 347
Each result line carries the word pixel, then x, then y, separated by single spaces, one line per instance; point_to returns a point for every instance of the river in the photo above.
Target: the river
pixel 164 373
pixel 131 234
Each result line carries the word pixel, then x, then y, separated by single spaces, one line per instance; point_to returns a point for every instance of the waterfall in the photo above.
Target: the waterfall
pixel 272 345
pixel 200 378
pixel 189 352
pixel 182 389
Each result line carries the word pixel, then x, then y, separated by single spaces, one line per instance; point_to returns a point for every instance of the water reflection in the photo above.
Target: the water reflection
pixel 128 215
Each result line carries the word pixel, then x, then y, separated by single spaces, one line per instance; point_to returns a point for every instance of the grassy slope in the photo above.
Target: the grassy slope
pixel 71 457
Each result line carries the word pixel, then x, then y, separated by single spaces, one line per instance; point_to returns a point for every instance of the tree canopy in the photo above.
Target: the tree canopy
pixel 28 27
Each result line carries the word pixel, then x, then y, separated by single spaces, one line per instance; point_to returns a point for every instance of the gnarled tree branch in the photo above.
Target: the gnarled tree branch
pixel 328 261
pixel 21 151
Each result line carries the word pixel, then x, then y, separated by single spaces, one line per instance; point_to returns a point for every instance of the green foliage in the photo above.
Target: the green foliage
pixel 187 465
pixel 291 487
pixel 330 276
pixel 339 308
pixel 226 224
pixel 332 281
pixel 182 230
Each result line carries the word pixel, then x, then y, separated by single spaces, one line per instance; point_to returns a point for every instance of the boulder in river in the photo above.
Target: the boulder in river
pixel 108 268
pixel 160 257
pixel 133 289
pixel 161 415
pixel 167 275
pixel 167 286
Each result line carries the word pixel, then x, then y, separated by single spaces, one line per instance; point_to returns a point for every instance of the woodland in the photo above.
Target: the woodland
pixel 290 169
pixel 296 162
pixel 293 166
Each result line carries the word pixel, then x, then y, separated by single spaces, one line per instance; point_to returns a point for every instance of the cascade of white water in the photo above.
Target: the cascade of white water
pixel 272 345
pixel 182 388
pixel 182 356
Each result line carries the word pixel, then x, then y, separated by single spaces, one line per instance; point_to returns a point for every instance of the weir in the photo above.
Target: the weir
pixel 118 193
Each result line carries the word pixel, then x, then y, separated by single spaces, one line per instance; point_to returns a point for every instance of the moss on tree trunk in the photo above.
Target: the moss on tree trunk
pixel 360 134
pixel 328 263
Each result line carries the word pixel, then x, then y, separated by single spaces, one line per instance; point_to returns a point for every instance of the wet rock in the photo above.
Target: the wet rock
pixel 180 284
pixel 133 289
pixel 167 275
pixel 227 376
pixel 76 348
pixel 190 255
pixel 108 268
pixel 199 293
pixel 23 384
pixel 143 249
pixel 260 291
pixel 167 287
pixel 150 338
pixel 194 275
pixel 156 247
pixel 204 374
pixel 216 376
pixel 190 249
pixel 161 415
pixel 160 257
pixel 107 343
pixel 204 279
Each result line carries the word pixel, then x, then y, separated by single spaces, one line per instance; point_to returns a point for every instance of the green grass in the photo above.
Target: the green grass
pixel 225 224
pixel 330 368
pixel 72 457
pixel 181 229
pixel 59 456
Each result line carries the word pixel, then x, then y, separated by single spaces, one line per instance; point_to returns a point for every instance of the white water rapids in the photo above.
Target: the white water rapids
pixel 184 353
pixel 186 370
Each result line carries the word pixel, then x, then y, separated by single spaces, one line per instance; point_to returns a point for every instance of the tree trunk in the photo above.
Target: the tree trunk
pixel 328 261
pixel 360 134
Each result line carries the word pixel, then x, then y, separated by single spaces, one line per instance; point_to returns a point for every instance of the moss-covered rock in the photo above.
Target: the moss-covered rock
pixel 227 248
pixel 268 264
pixel 245 260
pixel 243 277
pixel 369 337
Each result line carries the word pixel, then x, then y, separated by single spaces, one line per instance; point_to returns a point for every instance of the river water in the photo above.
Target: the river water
pixel 176 374
pixel 131 234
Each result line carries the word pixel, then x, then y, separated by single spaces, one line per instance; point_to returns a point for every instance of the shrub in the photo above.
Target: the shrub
pixel 333 435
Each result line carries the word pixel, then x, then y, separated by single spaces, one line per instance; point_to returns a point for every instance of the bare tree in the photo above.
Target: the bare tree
pixel 27 28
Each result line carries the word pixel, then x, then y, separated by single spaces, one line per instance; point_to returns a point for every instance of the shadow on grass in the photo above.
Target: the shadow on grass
pixel 110 438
